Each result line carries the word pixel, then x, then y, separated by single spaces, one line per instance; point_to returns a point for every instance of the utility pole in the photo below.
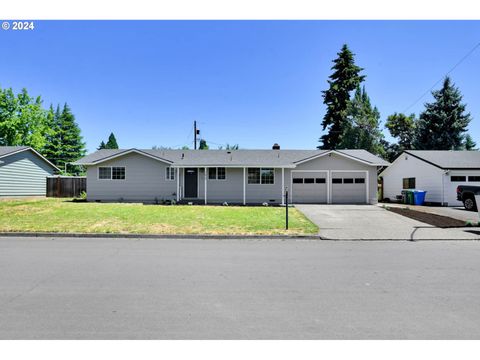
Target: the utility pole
pixel 195 134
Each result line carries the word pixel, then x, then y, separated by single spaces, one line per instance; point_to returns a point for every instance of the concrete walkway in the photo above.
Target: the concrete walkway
pixel 458 213
pixel 371 222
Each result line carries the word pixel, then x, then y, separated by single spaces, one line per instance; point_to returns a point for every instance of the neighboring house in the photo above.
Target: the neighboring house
pixel 233 176
pixel 436 171
pixel 23 172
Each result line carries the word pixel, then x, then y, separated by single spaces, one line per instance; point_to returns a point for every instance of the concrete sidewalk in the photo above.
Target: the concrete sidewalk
pixel 371 222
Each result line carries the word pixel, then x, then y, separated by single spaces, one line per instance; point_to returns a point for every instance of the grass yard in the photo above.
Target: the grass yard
pixel 63 215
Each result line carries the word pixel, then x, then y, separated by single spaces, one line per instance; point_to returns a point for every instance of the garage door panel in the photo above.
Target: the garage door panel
pixel 312 189
pixel 351 190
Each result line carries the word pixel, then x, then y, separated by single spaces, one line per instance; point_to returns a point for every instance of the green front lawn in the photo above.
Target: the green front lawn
pixel 60 215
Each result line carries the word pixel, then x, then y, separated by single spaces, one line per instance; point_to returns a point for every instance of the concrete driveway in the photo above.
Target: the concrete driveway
pixel 371 222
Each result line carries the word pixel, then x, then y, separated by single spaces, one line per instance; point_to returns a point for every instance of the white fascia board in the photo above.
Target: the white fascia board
pixel 233 166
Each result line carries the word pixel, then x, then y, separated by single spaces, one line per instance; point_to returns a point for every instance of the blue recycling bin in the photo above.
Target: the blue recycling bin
pixel 419 197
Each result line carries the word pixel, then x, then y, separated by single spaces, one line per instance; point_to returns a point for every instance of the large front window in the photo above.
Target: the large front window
pixel 261 176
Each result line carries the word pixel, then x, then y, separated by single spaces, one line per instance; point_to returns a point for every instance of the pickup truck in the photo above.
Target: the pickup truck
pixel 466 194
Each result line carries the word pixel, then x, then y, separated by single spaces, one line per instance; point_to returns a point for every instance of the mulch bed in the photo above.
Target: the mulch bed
pixel 432 219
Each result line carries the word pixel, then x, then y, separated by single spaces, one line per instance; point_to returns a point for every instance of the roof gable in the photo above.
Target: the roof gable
pixel 448 159
pixel 6 151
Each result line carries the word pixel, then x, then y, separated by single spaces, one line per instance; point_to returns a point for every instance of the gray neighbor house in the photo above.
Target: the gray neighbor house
pixel 23 172
pixel 233 176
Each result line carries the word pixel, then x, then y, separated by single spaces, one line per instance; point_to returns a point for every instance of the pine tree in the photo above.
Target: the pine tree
pixel 469 143
pixel 102 146
pixel 362 129
pixel 51 149
pixel 345 78
pixel 203 145
pixel 443 123
pixel 71 145
pixel 112 142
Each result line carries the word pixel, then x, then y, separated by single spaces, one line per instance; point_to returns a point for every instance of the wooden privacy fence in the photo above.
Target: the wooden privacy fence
pixel 66 186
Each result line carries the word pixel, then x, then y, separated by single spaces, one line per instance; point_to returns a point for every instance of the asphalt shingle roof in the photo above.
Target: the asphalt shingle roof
pixel 281 158
pixel 5 150
pixel 449 159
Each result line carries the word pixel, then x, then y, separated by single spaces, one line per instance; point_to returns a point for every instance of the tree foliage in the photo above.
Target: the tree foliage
pixel 402 128
pixel 469 143
pixel 112 142
pixel 102 146
pixel 70 143
pixel 345 78
pixel 362 127
pixel 203 145
pixel 443 124
pixel 229 147
pixel 23 121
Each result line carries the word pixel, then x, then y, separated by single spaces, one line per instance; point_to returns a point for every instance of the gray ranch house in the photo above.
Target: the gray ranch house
pixel 23 172
pixel 233 176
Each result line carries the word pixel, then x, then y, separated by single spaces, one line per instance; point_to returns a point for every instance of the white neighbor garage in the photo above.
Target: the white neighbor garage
pixel 438 172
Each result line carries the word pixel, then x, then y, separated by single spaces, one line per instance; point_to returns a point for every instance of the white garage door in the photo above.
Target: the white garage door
pixel 349 187
pixel 309 187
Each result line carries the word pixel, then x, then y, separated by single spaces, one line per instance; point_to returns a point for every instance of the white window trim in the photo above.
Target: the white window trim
pixel 169 171
pixel 216 173
pixel 111 173
pixel 260 169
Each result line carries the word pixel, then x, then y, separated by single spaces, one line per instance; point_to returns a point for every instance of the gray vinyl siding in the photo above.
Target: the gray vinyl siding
pixel 145 180
pixel 24 174
pixel 231 189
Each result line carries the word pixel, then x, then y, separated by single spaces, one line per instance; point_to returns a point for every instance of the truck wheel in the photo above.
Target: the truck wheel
pixel 469 204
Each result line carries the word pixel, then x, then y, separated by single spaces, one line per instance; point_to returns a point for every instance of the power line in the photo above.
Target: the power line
pixel 448 73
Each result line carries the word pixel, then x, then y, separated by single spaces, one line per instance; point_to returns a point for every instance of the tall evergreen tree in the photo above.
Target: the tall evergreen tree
pixel 362 129
pixel 52 146
pixel 203 145
pixel 112 142
pixel 345 78
pixel 71 145
pixel 102 146
pixel 444 122
pixel 469 143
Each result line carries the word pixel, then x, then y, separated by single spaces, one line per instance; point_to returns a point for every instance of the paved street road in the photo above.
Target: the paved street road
pixel 238 289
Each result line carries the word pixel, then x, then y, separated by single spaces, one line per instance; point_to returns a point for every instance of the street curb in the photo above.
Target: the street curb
pixel 205 237
pixel 157 236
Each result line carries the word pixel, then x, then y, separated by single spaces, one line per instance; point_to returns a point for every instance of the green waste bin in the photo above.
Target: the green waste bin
pixel 410 197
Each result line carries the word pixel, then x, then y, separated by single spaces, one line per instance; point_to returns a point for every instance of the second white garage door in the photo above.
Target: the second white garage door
pixel 309 187
pixel 349 187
